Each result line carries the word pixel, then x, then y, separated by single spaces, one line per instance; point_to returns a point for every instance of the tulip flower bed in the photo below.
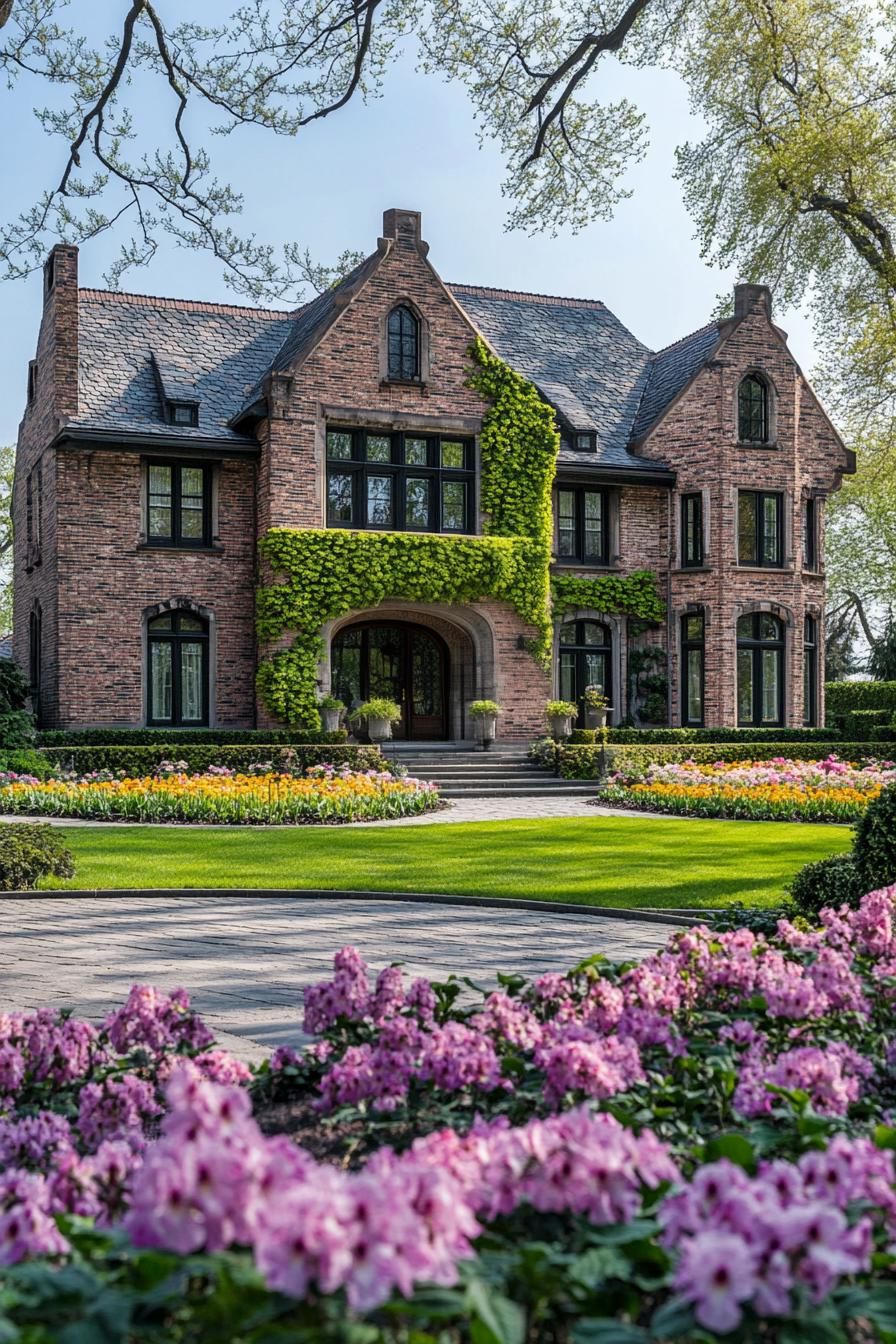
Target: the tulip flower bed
pixel 778 790
pixel 694 1148
pixel 222 796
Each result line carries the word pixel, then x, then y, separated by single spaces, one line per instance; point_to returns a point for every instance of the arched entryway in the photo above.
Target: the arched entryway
pixel 401 661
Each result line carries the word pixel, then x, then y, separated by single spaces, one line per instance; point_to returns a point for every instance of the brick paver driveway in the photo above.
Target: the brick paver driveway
pixel 246 959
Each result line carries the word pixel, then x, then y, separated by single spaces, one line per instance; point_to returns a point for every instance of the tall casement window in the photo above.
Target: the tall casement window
pixel 810 534
pixel 399 482
pixel 34 514
pixel 752 410
pixel 693 669
pixel 404 344
pixel 177 670
pixel 178 504
pixel 760 528
pixel 585 660
pixel 35 658
pixel 810 672
pixel 583 526
pixel 691 531
pixel 760 671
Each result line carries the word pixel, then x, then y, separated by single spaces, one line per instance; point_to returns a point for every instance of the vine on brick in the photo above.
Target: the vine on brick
pixel 611 594
pixel 320 574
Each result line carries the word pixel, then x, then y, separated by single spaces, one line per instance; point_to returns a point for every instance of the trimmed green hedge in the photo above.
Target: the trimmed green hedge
pixel 671 736
pixel 148 737
pixel 843 697
pixel 145 760
pixel 584 762
pixel 859 724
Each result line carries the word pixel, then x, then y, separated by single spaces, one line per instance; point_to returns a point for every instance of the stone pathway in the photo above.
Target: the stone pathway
pixel 245 959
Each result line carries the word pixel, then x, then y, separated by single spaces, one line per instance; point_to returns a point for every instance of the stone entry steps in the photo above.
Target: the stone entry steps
pixel 502 772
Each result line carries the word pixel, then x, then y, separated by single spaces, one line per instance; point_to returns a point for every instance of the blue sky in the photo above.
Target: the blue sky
pixel 415 147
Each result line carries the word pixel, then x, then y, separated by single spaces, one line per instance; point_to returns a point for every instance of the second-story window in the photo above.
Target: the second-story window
pixel 399 482
pixel 752 410
pixel 178 504
pixel 691 531
pixel 404 344
pixel 810 534
pixel 760 526
pixel 582 526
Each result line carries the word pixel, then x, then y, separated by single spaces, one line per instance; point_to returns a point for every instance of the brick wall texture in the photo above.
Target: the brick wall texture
pixel 94 580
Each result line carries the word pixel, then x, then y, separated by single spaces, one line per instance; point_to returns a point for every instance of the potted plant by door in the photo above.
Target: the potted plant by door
pixel 330 710
pixel 485 714
pixel 597 707
pixel 380 715
pixel 560 715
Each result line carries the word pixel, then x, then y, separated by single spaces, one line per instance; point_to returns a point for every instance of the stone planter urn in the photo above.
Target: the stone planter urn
pixel 379 730
pixel 561 726
pixel 486 729
pixel 596 718
pixel 329 719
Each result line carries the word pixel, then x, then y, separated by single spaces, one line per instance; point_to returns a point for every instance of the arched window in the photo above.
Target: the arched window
pixel 760 671
pixel 585 660
pixel 177 669
pixel 35 658
pixel 810 672
pixel 752 410
pixel 404 344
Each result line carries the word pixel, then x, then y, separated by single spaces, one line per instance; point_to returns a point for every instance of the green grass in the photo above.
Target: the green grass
pixel 614 861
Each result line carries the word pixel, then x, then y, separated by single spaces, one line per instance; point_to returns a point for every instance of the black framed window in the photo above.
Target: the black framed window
pixel 585 659
pixel 35 659
pixel 760 671
pixel 583 525
pixel 810 534
pixel 183 413
pixel 760 528
pixel 404 344
pixel 752 410
pixel 691 530
pixel 810 672
pixel 177 670
pixel 399 482
pixel 693 669
pixel 178 504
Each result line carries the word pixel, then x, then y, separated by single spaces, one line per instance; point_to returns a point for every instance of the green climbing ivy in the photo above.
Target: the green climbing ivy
pixel 634 595
pixel 319 574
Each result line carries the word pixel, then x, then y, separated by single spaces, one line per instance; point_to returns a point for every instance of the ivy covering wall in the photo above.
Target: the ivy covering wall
pixel 317 575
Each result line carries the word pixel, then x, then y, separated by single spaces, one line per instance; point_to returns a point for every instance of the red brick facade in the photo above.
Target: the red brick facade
pixel 94 580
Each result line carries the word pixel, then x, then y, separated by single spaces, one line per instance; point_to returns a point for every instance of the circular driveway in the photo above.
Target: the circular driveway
pixel 245 959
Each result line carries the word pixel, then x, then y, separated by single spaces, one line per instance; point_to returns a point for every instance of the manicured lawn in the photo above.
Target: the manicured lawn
pixel 605 861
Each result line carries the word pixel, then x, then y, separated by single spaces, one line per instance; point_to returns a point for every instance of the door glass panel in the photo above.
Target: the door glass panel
pixel 379 501
pixel 385 647
pixel 592 633
pixel 417 502
pixel 771 688
pixel 426 676
pixel 568 677
pixel 191 681
pixel 453 455
pixel 454 506
pixel 595 670
pixel 568 633
pixel 745 685
pixel 379 448
pixel 771 548
pixel 160 679
pixel 346 668
pixel 566 523
pixel 415 452
pixel 339 444
pixel 694 675
pixel 746 528
pixel 339 498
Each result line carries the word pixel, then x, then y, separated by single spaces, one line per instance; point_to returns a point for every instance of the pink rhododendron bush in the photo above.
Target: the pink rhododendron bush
pixel 699 1146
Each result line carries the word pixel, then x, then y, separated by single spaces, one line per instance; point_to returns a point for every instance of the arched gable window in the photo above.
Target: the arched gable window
pixel 177 669
pixel 404 344
pixel 760 671
pixel 752 410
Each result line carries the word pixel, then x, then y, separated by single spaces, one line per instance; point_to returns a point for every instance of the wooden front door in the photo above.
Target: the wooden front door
pixel 402 662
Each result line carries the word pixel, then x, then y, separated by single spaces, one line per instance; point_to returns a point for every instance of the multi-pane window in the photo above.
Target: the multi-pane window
pixel 582 526
pixel 810 672
pixel 404 344
pixel 810 534
pixel 177 671
pixel 399 482
pixel 178 504
pixel 760 671
pixel 760 527
pixel 752 410
pixel 34 513
pixel 585 660
pixel 693 668
pixel 691 530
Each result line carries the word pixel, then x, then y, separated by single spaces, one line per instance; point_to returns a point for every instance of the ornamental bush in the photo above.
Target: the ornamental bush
pixel 842 697
pixel 28 853
pixel 874 848
pixel 16 724
pixel 827 882
pixel 145 760
pixel 583 762
pixel 204 737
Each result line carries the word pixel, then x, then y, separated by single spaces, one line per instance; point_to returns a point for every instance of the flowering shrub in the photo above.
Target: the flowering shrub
pixel 778 790
pixel 220 795
pixel 695 1147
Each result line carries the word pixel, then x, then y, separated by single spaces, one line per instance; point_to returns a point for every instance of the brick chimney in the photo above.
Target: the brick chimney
pixel 753 299
pixel 57 375
pixel 403 228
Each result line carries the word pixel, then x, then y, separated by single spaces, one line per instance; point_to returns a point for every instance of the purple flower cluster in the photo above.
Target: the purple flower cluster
pixel 157 1022
pixel 46 1047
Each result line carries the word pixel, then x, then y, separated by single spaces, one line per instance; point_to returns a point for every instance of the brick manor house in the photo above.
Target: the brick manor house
pixel 162 438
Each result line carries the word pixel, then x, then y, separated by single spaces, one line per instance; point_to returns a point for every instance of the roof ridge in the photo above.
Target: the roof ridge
pixel 561 300
pixel 188 305
pixel 690 335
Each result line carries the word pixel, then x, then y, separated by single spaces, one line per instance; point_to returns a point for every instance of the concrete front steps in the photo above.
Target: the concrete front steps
pixel 464 772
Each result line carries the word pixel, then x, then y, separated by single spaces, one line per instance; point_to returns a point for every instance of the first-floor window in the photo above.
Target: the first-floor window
pixel 177 673
pixel 35 658
pixel 693 669
pixel 585 650
pixel 810 672
pixel 760 671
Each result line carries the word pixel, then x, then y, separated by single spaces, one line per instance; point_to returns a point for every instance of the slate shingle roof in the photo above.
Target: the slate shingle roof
pixel 596 374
